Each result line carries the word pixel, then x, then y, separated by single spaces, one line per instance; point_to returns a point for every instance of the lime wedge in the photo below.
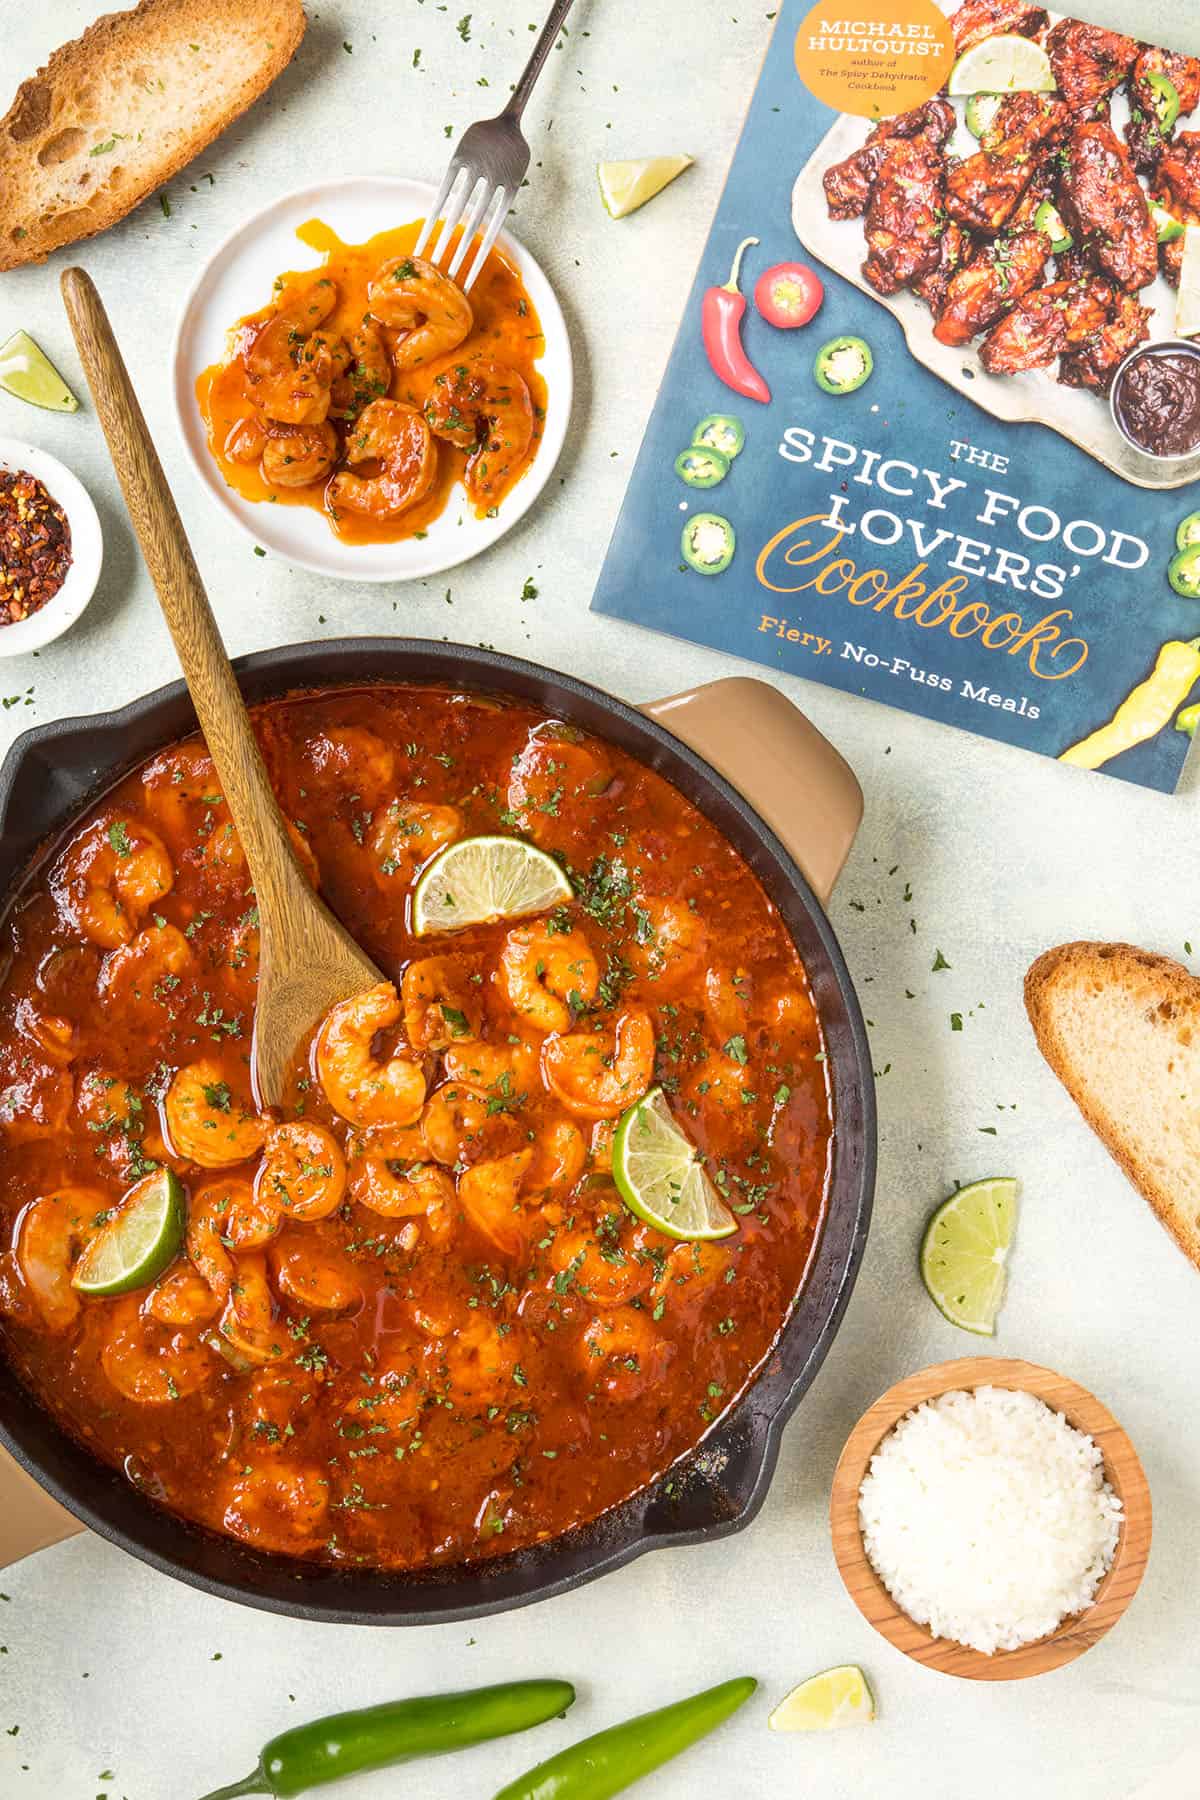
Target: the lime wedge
pixel 828 1702
pixel 1007 64
pixel 484 878
pixel 964 1251
pixel 140 1239
pixel 660 1177
pixel 624 186
pixel 28 374
pixel 1187 302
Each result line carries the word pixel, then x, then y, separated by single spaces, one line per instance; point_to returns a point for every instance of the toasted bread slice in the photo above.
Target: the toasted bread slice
pixel 120 110
pixel 1120 1027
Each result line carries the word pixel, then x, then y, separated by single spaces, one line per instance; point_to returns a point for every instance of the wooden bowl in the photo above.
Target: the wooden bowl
pixel 1121 1466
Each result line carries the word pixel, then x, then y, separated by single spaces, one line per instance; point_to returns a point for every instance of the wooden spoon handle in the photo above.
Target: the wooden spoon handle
pixel 210 678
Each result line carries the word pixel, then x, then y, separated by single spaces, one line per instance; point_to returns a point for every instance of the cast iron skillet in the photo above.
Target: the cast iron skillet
pixel 54 770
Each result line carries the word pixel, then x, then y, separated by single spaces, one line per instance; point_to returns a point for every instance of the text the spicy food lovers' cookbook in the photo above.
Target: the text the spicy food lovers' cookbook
pixel 930 431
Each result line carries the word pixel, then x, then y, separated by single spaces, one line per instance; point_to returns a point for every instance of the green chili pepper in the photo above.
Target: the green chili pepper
pixel 1187 532
pixel 843 364
pixel 1183 572
pixel 1165 100
pixel 378 1736
pixel 612 1760
pixel 1188 719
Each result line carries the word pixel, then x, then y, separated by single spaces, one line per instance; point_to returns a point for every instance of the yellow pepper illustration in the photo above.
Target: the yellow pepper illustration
pixel 1148 709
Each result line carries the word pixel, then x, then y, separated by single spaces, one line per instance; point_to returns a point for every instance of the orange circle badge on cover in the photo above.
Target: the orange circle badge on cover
pixel 875 63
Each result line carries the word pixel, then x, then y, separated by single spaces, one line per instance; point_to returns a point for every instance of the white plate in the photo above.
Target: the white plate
pixel 237 280
pixel 87 550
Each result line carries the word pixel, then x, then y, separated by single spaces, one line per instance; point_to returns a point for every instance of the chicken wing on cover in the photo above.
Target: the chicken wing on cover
pixel 906 215
pixel 1044 323
pixel 848 184
pixel 1144 133
pixel 979 19
pixel 1104 207
pixel 953 250
pixel 1088 63
pixel 1095 364
pixel 996 276
pixel 1177 187
pixel 984 190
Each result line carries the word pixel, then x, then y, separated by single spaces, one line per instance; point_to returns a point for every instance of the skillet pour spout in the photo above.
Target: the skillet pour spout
pixel 718 1487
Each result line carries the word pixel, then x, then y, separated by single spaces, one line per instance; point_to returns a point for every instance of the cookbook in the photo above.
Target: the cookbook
pixel 930 430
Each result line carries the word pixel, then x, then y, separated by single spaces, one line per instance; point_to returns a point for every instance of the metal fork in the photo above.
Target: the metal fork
pixel 486 169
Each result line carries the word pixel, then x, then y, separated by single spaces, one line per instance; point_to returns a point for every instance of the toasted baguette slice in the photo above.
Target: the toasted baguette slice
pixel 120 110
pixel 1120 1027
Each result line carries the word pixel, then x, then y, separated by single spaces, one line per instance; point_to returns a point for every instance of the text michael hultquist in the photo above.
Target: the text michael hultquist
pixel 806 555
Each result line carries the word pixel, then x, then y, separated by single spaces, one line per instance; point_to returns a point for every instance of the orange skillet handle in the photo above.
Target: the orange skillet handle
pixel 793 777
pixel 29 1519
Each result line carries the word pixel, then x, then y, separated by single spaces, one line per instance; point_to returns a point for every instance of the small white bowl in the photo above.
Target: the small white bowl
pixel 87 550
pixel 237 280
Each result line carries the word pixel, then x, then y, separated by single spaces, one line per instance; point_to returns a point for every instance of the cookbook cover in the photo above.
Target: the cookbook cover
pixel 930 431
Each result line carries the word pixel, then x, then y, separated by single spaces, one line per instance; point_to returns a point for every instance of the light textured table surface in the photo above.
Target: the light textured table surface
pixel 107 1666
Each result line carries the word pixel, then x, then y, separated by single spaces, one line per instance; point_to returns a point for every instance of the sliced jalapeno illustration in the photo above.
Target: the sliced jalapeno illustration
pixel 843 364
pixel 708 543
pixel 701 467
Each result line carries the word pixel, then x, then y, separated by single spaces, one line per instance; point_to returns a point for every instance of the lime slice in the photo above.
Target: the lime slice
pixel 1007 64
pixel 964 1251
pixel 624 186
pixel 484 878
pixel 28 374
pixel 828 1702
pixel 659 1175
pixel 138 1242
pixel 1187 303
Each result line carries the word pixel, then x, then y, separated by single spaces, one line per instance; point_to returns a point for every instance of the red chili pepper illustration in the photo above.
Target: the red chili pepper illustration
pixel 721 318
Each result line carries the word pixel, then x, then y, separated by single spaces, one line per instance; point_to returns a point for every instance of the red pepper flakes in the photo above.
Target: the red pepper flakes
pixel 35 545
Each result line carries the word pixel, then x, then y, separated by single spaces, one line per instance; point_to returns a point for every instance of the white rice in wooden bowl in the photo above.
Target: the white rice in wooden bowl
pixel 987 1517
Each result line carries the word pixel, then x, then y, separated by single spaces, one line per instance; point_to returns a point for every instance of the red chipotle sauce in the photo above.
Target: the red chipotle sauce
pixel 35 545
pixel 1157 399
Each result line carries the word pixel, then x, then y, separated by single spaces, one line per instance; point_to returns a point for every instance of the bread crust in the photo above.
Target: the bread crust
pixel 1151 986
pixel 121 47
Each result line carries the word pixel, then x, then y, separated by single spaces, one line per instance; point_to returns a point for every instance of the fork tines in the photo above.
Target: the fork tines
pixel 464 198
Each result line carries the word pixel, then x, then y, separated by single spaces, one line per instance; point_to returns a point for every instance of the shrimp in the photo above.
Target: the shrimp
pixel 669 941
pixel 511 1067
pixel 206 1122
pixel 275 1403
pixel 412 295
pixel 57 1038
pixel 349 758
pixel 559 1155
pixel 316 1276
pixel 359 1086
pixel 148 968
pixel 596 1080
pixel 407 835
pixel 227 1215
pixel 442 1002
pixel 115 1111
pixel 547 771
pixel 694 1268
pixel 461 1125
pixel 50 1232
pixel 490 1196
pixel 476 1363
pixel 622 1353
pixel 278 1506
pixel 110 877
pixel 484 407
pixel 548 976
pixel 392 434
pixel 727 1000
pixel 387 1186
pixel 297 455
pixel 303 1171
pixel 244 441
pixel 290 367
pixel 36 1106
pixel 183 1297
pixel 248 1326
pixel 147 1361
pixel 367 376
pixel 602 1266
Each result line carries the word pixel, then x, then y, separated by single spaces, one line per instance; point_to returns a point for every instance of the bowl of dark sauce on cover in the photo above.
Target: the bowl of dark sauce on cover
pixel 1155 399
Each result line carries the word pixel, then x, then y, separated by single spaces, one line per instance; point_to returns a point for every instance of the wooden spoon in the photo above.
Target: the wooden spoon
pixel 307 960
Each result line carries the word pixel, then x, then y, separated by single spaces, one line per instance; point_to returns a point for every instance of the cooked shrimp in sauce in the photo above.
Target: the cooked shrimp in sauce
pixel 371 387
pixel 410 1319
